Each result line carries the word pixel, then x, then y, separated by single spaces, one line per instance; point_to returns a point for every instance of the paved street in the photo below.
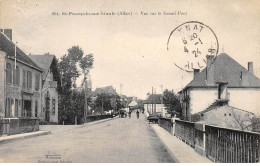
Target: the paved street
pixel 117 140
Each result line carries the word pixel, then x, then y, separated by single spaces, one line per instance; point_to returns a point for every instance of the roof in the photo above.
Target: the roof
pixel 44 61
pixel 228 117
pixel 133 103
pixel 154 98
pixel 7 46
pixel 224 106
pixel 106 90
pixel 228 70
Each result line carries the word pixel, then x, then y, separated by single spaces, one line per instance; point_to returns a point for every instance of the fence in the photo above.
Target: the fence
pixel 220 144
pixel 166 123
pixel 97 117
pixel 10 126
pixel 185 131
pixel 232 146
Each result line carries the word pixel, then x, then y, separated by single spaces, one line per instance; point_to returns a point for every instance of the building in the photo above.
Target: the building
pixel 222 115
pixel 210 86
pixel 105 90
pixel 154 104
pixel 50 79
pixel 20 85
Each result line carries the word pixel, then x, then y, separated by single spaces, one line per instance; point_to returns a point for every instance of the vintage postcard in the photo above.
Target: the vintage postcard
pixel 133 81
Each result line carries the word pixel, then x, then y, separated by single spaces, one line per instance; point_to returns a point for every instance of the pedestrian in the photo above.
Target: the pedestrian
pixel 129 114
pixel 137 114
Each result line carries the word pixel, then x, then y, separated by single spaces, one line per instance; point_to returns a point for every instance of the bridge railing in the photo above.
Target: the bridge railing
pixel 232 146
pixel 185 131
pixel 220 144
pixel 166 123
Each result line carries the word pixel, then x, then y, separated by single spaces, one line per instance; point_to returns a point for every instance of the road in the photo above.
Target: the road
pixel 116 141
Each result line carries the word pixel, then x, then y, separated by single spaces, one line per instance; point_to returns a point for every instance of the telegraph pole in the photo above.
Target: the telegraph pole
pixel 86 97
pixel 155 103
pixel 162 99
pixel 121 88
pixel 152 100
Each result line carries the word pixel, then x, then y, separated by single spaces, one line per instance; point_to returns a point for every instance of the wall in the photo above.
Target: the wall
pixel 200 99
pixel 230 117
pixel 242 98
pixel 159 108
pixel 53 95
pixel 245 98
pixel 16 91
pixel 2 83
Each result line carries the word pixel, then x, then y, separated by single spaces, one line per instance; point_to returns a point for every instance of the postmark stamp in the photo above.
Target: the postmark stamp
pixel 189 43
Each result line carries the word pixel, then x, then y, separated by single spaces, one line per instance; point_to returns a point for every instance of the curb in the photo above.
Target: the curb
pixel 168 149
pixel 23 136
pixel 98 121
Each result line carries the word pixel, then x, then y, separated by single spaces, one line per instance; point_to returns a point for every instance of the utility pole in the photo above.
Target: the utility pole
pixel 152 101
pixel 86 97
pixel 121 88
pixel 155 103
pixel 162 99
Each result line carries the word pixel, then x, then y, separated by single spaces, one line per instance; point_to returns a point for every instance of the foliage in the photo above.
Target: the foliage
pixel 109 102
pixel 104 100
pixel 172 103
pixel 71 102
pixel 56 73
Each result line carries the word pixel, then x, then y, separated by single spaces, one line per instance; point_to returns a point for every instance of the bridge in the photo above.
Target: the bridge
pixel 132 140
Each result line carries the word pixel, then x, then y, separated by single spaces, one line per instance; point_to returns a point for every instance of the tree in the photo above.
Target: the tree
pixel 71 105
pixel 243 120
pixel 86 63
pixel 172 103
pixel 104 102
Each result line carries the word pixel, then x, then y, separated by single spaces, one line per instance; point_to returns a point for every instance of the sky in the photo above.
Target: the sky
pixel 132 49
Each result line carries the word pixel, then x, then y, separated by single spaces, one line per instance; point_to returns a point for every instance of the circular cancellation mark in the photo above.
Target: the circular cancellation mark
pixel 190 43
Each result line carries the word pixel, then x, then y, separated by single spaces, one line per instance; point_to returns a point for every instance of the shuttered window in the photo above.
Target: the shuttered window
pixel 37 81
pixel 8 73
pixel 53 106
pixel 17 76
pixel 29 79
pixel 24 78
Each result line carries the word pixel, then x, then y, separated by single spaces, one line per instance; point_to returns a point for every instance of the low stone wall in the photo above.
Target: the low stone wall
pixel 97 117
pixel 11 126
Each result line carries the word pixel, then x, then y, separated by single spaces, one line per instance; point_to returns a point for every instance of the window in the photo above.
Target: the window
pixel 8 107
pixel 17 76
pixel 24 78
pixel 36 108
pixel 16 108
pixel 37 81
pixel 53 106
pixel 29 79
pixel 8 73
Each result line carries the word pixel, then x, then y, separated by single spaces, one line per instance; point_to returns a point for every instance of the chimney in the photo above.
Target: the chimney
pixel 244 79
pixel 195 73
pixel 210 70
pixel 7 32
pixel 250 67
pixel 222 90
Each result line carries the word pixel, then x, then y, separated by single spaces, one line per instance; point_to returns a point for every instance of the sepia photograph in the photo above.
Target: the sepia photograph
pixel 132 81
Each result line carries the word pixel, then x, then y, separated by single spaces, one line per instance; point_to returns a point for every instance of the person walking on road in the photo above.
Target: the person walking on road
pixel 129 114
pixel 137 114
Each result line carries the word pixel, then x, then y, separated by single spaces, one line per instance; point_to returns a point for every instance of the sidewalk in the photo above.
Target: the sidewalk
pixel 180 151
pixel 11 138
pixel 61 128
pixel 47 129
